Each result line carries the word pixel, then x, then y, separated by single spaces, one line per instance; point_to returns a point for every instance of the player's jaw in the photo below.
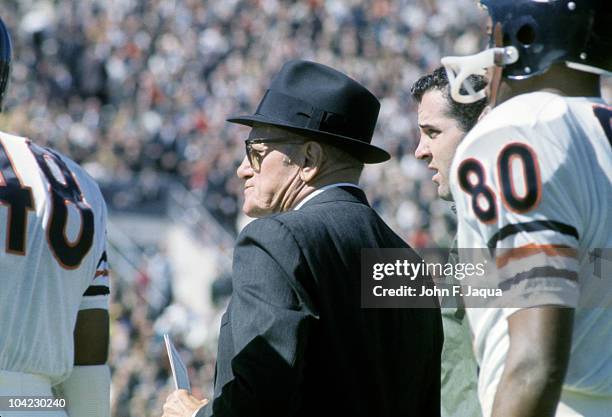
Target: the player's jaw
pixel 443 186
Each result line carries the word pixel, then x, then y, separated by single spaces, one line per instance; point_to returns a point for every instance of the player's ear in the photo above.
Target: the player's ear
pixel 312 152
pixel 484 112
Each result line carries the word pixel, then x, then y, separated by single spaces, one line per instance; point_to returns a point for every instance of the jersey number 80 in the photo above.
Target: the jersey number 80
pixel 472 181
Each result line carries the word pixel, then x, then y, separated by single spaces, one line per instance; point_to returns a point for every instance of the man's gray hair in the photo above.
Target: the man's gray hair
pixel 338 155
pixel 333 154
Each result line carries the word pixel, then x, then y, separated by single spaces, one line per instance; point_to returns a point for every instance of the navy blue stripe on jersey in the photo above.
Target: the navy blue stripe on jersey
pixel 604 115
pixel 103 258
pixel 539 272
pixel 534 226
pixel 97 290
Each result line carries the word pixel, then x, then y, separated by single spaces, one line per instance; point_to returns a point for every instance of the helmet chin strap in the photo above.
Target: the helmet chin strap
pixel 496 76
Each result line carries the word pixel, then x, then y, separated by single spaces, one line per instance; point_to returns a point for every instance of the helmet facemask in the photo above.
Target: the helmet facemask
pixel 536 34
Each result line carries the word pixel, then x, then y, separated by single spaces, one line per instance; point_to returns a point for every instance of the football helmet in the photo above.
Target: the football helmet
pixel 536 34
pixel 5 60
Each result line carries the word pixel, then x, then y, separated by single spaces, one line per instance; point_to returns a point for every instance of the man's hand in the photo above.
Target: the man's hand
pixel 182 404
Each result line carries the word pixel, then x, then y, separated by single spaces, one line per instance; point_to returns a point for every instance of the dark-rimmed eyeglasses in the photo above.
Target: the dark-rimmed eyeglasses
pixel 256 157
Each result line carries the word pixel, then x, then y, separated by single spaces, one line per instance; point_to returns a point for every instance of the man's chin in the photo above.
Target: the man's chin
pixel 254 212
pixel 444 193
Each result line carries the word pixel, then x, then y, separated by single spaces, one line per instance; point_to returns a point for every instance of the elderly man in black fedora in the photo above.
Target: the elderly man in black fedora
pixel 294 340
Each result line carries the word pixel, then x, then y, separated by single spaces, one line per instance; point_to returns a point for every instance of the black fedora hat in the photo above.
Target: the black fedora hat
pixel 315 100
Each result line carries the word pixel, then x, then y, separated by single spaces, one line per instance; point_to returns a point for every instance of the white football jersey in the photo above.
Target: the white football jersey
pixel 533 184
pixel 52 256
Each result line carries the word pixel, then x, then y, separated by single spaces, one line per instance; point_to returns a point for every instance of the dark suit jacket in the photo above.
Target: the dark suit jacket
pixel 296 342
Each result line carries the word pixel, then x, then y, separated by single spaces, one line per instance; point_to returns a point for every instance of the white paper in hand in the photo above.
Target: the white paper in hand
pixel 179 370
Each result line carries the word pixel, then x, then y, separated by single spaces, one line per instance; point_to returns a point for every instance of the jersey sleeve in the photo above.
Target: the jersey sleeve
pixel 98 293
pixel 515 198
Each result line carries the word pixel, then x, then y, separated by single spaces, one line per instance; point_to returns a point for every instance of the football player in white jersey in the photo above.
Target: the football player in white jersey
pixel 533 184
pixel 53 279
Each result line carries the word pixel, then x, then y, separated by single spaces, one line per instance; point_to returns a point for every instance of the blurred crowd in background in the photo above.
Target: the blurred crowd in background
pixel 137 91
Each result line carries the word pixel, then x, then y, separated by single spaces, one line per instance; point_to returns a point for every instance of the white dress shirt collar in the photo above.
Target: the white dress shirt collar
pixel 320 190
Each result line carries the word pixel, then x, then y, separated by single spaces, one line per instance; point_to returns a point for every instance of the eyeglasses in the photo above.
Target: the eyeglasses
pixel 256 157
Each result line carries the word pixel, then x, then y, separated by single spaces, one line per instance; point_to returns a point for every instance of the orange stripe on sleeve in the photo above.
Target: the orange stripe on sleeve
pixel 532 249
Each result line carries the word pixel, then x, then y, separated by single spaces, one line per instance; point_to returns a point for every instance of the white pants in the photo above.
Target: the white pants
pixel 20 384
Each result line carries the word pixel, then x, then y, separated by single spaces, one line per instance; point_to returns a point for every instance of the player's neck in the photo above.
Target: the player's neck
pixel 559 79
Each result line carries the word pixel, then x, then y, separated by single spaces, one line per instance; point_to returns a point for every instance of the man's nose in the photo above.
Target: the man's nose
pixel 422 151
pixel 244 170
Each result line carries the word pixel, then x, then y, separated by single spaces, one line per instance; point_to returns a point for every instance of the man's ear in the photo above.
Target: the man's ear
pixel 312 152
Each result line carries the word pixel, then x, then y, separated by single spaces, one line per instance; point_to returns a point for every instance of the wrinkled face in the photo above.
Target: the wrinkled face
pixel 270 188
pixel 440 135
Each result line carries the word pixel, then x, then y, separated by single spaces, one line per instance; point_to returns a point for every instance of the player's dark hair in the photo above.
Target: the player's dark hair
pixel 465 114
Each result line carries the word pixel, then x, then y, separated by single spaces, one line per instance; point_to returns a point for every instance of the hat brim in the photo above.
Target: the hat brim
pixel 363 151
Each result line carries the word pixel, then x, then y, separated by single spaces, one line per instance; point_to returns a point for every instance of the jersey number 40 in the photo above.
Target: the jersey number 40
pixel 63 189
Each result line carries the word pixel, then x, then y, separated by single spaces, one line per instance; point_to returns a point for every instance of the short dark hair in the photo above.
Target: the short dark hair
pixel 465 114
